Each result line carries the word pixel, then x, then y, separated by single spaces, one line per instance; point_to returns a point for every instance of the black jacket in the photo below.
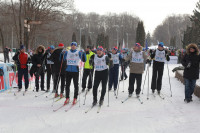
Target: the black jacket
pixel 152 55
pixel 38 58
pixel 191 72
pixel 57 58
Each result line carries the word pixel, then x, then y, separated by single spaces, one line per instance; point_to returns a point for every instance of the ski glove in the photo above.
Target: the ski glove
pixel 109 55
pixel 167 57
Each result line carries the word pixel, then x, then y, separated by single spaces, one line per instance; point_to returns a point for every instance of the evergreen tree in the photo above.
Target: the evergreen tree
pixel 83 42
pixel 74 37
pixel 89 41
pixel 140 33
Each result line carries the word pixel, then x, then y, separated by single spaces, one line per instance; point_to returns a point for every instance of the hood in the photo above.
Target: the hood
pixel 40 46
pixel 194 46
pixel 139 49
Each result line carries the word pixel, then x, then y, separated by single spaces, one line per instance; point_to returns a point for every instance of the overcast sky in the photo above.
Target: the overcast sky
pixel 152 12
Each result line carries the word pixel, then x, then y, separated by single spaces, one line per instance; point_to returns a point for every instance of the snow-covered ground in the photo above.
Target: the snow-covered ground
pixel 28 114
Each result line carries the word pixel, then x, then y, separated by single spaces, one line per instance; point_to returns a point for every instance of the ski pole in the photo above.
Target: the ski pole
pixel 169 80
pixel 118 86
pixel 123 77
pixel 148 86
pixel 145 78
pixel 108 89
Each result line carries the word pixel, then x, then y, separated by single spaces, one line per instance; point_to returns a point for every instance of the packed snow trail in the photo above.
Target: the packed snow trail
pixel 28 114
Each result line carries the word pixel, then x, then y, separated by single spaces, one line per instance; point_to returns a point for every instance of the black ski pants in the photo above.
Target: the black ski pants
pixel 100 76
pixel 86 73
pixel 69 77
pixel 132 78
pixel 158 68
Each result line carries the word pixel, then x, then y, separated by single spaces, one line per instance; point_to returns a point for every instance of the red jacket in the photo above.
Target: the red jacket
pixel 23 59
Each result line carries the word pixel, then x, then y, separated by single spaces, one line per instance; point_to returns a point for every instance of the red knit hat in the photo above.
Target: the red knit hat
pixel 61 45
pixel 138 45
pixel 115 48
pixel 100 48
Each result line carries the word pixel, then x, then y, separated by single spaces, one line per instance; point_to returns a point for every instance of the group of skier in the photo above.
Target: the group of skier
pixel 63 65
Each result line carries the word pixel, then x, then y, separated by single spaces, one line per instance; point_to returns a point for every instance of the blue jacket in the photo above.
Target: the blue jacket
pixel 72 68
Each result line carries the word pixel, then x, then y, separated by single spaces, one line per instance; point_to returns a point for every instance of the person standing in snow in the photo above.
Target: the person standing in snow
pixel 159 56
pixel 114 71
pixel 191 71
pixel 49 66
pixel 22 59
pixel 124 65
pixel 101 63
pixel 38 67
pixel 58 69
pixel 6 54
pixel 137 60
pixel 73 58
pixel 88 70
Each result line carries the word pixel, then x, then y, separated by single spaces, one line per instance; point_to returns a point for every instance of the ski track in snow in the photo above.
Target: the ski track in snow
pixel 27 114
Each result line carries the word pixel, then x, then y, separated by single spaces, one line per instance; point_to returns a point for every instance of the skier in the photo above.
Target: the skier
pixel 160 54
pixel 191 71
pixel 137 60
pixel 38 67
pixel 22 59
pixel 88 70
pixel 73 57
pixel 114 71
pixel 49 66
pixel 124 65
pixel 58 69
pixel 101 74
pixel 6 54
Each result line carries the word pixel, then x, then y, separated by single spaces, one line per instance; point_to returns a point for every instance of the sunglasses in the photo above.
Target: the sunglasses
pixel 99 49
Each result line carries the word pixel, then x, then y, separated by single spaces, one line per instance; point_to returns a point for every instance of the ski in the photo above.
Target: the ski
pixel 125 99
pixel 17 92
pixel 90 109
pixel 59 99
pixel 55 110
pixel 99 108
pixel 161 96
pixel 139 100
pixel 40 94
pixel 24 93
pixel 71 106
pixel 49 95
pixel 153 94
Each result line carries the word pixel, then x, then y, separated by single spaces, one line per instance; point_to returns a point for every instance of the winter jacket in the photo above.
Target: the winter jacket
pixel 109 62
pixel 137 68
pixel 6 51
pixel 73 68
pixel 191 71
pixel 38 58
pixel 21 59
pixel 157 63
pixel 57 58
pixel 88 56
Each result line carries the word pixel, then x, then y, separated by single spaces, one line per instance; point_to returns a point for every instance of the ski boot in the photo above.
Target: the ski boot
pixel 74 101
pixel 61 95
pixel 66 101
pixel 94 103
pixel 100 102
pixel 137 95
pixel 56 95
pixel 83 89
pixel 130 95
